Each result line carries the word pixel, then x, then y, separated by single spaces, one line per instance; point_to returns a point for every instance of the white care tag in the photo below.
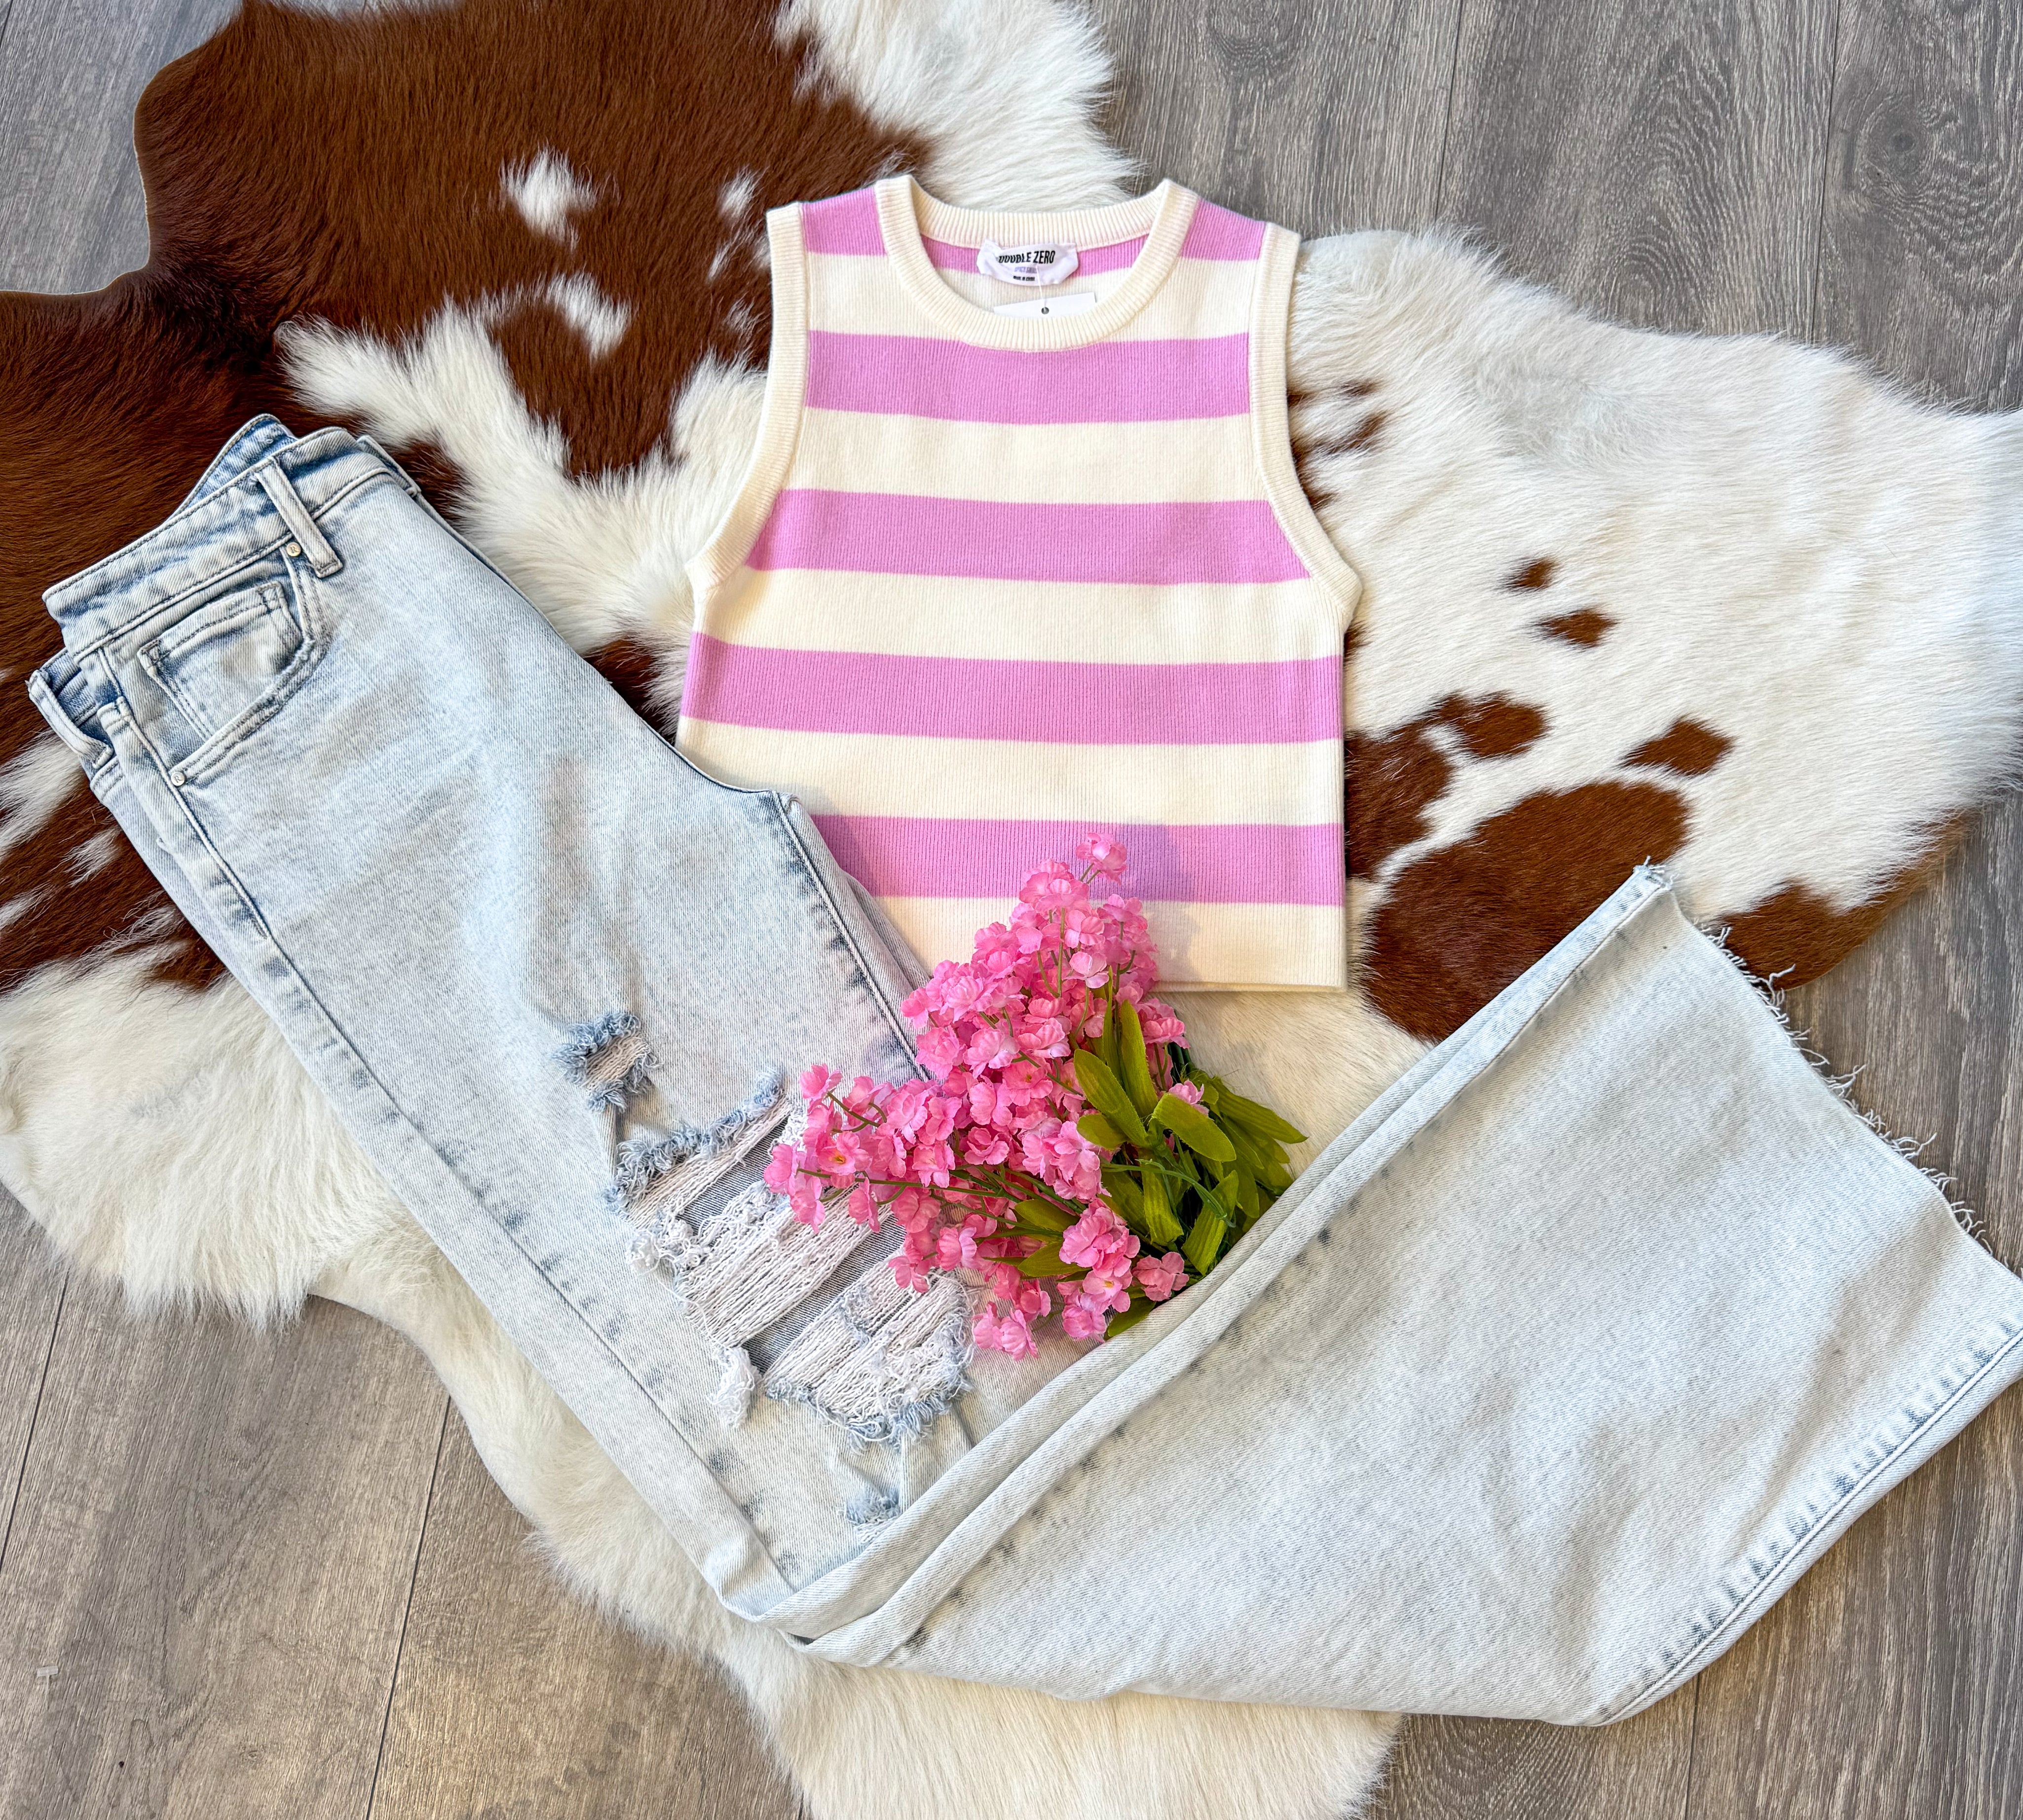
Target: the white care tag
pixel 1068 303
pixel 1043 262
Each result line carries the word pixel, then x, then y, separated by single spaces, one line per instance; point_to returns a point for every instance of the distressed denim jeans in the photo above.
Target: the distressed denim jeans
pixel 1537 1388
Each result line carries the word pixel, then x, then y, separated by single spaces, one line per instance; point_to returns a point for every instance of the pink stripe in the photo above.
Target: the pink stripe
pixel 1144 382
pixel 898 856
pixel 1219 540
pixel 844 224
pixel 1217 233
pixel 996 698
pixel 950 256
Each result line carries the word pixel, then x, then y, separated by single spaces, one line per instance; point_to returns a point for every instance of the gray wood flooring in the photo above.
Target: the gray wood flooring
pixel 249 1573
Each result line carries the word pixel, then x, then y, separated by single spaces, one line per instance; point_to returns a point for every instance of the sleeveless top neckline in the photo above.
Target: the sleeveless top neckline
pixel 1154 226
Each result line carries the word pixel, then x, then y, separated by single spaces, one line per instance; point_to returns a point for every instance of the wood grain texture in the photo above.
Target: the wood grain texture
pixel 517 1702
pixel 200 1608
pixel 1658 164
pixel 1448 1768
pixel 28 1310
pixel 1922 254
pixel 72 216
pixel 1891 1682
pixel 1326 116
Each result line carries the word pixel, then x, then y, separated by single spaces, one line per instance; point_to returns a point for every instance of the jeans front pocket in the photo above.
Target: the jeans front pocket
pixel 223 656
pixel 220 666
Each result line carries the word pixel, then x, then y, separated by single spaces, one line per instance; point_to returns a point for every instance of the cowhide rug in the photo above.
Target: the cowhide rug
pixel 1730 603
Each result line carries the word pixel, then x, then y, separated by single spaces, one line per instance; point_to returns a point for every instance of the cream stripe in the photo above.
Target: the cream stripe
pixel 987 292
pixel 1099 464
pixel 994 779
pixel 1293 946
pixel 862 296
pixel 910 616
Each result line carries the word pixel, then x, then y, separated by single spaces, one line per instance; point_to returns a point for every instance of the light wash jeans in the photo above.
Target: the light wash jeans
pixel 1539 1387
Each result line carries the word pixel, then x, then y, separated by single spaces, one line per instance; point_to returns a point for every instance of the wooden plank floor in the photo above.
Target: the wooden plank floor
pixel 266 1574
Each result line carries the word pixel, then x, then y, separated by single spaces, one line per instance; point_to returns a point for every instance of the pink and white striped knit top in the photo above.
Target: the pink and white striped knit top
pixel 1013 562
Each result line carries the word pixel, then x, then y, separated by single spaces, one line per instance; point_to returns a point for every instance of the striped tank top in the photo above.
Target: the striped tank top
pixel 1021 555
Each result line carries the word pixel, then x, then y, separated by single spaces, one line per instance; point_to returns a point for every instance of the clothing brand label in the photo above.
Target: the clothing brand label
pixel 1068 303
pixel 1044 262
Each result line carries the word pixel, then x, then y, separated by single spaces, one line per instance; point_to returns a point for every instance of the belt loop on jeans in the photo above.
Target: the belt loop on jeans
pixel 93 752
pixel 399 473
pixel 315 546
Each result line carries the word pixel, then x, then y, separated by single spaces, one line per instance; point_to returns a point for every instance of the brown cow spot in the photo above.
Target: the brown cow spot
pixel 1687 747
pixel 1585 626
pixel 1492 726
pixel 259 212
pixel 1362 438
pixel 1460 923
pixel 630 667
pixel 1534 575
pixel 1794 935
pixel 1347 389
pixel 1393 778
pixel 64 908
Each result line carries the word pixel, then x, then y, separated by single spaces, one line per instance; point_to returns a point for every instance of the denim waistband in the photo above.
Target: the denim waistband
pixel 266 488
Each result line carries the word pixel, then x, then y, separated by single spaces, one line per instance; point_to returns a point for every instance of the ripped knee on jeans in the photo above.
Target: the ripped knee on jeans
pixel 876 1359
pixel 609 1058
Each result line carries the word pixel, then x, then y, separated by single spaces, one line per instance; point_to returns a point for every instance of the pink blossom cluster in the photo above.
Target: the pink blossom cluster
pixel 994 1124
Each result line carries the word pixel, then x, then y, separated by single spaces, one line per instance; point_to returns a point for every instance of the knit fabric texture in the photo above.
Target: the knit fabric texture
pixel 1014 560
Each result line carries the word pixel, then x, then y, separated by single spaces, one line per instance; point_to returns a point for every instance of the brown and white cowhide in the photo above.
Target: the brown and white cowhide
pixel 1729 604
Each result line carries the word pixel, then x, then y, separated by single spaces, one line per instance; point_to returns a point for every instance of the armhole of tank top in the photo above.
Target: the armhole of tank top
pixel 724 550
pixel 1271 431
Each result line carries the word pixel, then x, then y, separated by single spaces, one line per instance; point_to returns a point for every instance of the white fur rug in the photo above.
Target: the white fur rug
pixel 1784 550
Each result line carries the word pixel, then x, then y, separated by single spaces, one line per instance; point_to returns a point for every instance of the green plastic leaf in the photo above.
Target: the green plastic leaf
pixel 1129 1318
pixel 1099 1131
pixel 1263 1157
pixel 1193 1127
pixel 1041 1216
pixel 1046 1261
pixel 1262 1120
pixel 1103 1090
pixel 1132 1063
pixel 1248 1148
pixel 1120 1182
pixel 1161 1225
pixel 1205 1242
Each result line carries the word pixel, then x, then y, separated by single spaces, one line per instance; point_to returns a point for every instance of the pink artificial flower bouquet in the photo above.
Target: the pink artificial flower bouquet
pixel 1061 1144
